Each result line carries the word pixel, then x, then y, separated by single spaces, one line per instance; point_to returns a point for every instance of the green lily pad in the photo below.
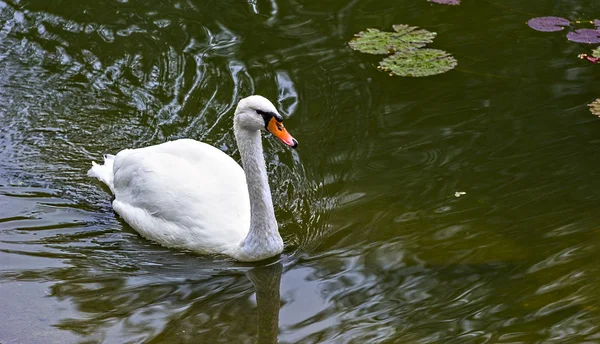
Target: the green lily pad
pixel 595 107
pixel 410 37
pixel 373 41
pixel 406 43
pixel 596 52
pixel 418 62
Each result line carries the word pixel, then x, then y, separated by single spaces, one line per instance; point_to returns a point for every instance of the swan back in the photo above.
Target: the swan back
pixel 183 194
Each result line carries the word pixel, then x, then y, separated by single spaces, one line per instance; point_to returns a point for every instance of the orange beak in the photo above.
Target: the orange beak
pixel 276 128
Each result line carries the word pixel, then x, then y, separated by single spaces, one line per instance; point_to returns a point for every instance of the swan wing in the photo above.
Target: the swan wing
pixel 183 194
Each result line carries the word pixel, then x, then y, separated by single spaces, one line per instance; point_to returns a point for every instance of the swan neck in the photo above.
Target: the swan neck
pixel 263 239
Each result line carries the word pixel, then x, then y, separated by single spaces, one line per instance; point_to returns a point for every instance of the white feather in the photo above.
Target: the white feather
pixel 190 195
pixel 104 173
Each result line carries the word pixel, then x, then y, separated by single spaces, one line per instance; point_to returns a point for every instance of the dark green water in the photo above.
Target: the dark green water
pixel 379 249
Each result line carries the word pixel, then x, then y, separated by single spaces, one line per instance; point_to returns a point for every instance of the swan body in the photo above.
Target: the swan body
pixel 190 195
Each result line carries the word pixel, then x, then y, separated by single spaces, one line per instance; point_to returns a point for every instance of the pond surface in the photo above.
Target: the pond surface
pixel 379 249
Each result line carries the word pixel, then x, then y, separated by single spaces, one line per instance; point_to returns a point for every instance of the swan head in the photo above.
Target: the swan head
pixel 258 113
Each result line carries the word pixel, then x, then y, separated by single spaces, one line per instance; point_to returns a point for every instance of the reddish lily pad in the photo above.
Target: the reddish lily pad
pixel 548 24
pixel 446 2
pixel 588 36
pixel 595 107
pixel 592 59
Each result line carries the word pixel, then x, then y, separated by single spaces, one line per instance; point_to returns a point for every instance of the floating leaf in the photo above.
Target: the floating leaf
pixel 406 43
pixel 446 2
pixel 418 63
pixel 592 59
pixel 548 24
pixel 595 107
pixel 410 37
pixel 588 36
pixel 373 41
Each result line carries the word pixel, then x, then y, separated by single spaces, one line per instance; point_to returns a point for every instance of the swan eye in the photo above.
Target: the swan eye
pixel 267 116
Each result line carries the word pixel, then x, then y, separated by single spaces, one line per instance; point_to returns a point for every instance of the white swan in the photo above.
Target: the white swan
pixel 190 195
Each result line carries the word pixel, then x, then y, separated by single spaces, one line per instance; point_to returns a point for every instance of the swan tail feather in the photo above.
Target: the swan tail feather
pixel 105 172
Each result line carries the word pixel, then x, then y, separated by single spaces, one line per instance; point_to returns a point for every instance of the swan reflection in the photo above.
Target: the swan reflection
pixel 267 281
pixel 181 300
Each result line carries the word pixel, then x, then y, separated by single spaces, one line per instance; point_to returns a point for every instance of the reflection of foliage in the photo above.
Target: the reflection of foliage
pixel 162 309
pixel 173 299
pixel 407 59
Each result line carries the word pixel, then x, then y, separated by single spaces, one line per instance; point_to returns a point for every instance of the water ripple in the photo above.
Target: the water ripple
pixel 379 248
